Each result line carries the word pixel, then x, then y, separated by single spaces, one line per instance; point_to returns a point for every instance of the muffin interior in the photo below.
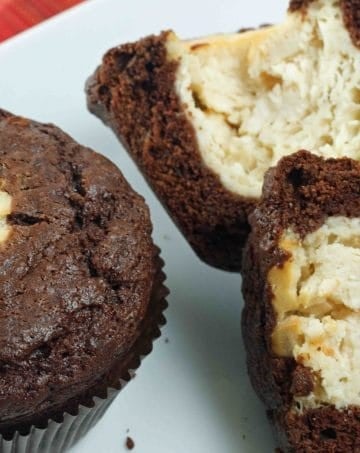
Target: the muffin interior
pixel 257 96
pixel 316 297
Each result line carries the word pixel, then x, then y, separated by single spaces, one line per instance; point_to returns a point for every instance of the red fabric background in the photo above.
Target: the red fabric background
pixel 18 15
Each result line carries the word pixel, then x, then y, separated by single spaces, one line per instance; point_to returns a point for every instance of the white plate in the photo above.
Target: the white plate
pixel 192 394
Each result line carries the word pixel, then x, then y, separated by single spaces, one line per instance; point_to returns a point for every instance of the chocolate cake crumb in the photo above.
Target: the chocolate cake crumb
pixel 302 381
pixel 296 5
pixel 130 444
pixel 245 29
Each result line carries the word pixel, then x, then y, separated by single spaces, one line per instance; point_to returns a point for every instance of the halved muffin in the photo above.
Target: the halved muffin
pixel 301 286
pixel 204 119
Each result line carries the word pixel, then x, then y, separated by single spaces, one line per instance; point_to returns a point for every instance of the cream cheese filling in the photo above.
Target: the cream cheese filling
pixel 316 297
pixel 255 97
pixel 5 210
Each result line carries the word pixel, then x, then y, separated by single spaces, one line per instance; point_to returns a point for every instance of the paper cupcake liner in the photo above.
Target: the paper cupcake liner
pixel 59 436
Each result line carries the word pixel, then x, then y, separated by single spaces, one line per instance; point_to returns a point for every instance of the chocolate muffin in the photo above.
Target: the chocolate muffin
pixel 301 286
pixel 204 119
pixel 81 285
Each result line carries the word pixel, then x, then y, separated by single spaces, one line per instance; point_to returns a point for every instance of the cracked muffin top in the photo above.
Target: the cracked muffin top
pixel 76 266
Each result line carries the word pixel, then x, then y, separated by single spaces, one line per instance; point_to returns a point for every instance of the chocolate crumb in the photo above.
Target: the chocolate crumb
pixel 302 381
pixel 167 340
pixel 199 45
pixel 245 29
pixel 130 444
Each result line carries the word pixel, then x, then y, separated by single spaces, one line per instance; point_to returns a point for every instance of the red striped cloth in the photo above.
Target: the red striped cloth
pixel 18 15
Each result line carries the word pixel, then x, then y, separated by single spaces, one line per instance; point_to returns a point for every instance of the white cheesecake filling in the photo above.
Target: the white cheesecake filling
pixel 316 297
pixel 5 209
pixel 258 96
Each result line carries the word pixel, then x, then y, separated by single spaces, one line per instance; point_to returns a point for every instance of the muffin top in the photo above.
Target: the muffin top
pixel 76 267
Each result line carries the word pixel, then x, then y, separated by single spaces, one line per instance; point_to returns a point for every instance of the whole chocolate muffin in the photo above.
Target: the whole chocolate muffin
pixel 81 286
pixel 204 119
pixel 301 285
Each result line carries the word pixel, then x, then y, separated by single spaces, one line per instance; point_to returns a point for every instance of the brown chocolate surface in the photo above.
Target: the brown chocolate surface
pixel 296 5
pixel 351 15
pixel 301 192
pixel 133 91
pixel 76 273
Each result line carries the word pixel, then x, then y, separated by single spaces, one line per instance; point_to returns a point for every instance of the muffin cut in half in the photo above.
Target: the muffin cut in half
pixel 81 285
pixel 204 119
pixel 301 286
